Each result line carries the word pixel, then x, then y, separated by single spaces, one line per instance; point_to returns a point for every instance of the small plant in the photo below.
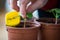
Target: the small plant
pixel 29 16
pixel 56 13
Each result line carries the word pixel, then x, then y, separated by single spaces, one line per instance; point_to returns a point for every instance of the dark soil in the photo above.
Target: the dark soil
pixel 48 20
pixel 21 25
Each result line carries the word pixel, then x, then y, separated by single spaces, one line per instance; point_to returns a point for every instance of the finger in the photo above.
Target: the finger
pixel 23 5
pixel 13 4
pixel 23 11
pixel 37 4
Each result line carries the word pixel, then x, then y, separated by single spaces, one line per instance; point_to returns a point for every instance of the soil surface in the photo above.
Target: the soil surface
pixel 21 25
pixel 48 20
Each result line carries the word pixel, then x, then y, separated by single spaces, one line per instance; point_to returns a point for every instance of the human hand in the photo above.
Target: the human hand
pixel 35 4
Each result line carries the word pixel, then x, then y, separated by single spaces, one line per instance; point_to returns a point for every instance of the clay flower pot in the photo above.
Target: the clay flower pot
pixel 21 33
pixel 49 30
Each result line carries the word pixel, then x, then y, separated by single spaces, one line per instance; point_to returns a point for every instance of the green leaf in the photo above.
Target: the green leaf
pixel 57 10
pixel 29 15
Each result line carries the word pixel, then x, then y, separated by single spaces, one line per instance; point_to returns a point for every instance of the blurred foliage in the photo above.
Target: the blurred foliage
pixel 56 12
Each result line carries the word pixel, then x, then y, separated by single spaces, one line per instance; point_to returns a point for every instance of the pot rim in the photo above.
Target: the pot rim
pixel 49 23
pixel 23 27
pixel 35 25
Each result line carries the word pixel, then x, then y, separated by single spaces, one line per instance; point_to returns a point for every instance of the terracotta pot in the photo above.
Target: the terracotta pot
pixel 50 31
pixel 28 33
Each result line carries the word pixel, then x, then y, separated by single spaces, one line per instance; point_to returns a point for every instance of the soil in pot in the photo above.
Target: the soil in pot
pixel 49 30
pixel 21 33
pixel 21 25
pixel 48 20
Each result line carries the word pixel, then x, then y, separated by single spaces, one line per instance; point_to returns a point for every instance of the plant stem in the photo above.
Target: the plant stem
pixel 24 22
pixel 56 19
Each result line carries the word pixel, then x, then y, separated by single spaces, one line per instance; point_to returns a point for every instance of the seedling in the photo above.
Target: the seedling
pixel 29 15
pixel 56 13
